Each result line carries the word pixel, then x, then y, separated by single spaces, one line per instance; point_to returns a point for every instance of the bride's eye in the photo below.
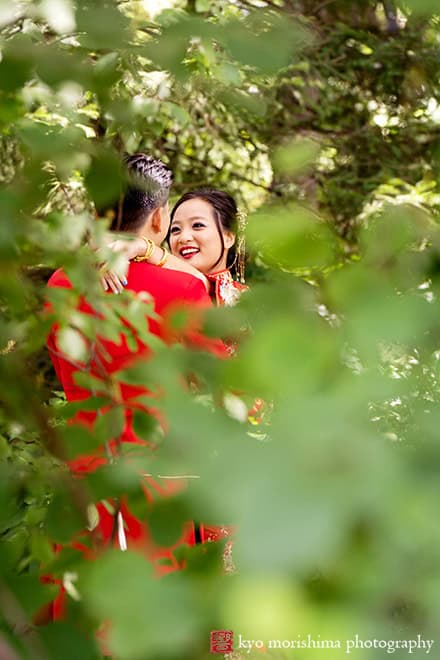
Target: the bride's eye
pixel 174 230
pixel 198 225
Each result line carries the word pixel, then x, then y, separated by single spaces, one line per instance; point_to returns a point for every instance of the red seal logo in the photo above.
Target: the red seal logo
pixel 222 641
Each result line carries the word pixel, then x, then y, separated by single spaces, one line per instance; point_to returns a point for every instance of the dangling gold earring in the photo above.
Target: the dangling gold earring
pixel 240 252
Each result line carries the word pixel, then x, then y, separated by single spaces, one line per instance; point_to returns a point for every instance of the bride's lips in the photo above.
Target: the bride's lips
pixel 188 252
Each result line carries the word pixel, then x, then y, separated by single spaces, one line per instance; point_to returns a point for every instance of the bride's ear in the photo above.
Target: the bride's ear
pixel 229 239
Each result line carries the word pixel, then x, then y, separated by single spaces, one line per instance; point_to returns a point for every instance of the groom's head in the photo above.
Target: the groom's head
pixel 143 208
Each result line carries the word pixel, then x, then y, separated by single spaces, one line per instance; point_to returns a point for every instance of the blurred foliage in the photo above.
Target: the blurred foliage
pixel 322 119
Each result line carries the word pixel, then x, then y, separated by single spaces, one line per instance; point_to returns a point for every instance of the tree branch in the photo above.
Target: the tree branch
pixel 241 177
pixel 21 624
pixel 322 6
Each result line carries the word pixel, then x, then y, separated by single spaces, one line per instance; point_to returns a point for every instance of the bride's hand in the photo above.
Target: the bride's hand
pixel 111 281
pixel 128 249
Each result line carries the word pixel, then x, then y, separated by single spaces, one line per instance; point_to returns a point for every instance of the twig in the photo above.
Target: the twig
pixel 153 32
pixel 322 6
pixel 16 23
pixel 18 620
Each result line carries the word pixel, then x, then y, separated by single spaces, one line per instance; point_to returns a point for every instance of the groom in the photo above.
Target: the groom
pixel 143 210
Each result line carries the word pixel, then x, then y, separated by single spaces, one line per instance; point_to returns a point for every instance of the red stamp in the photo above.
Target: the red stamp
pixel 221 641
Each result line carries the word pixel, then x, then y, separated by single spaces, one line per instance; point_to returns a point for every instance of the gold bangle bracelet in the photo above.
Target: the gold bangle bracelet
pixel 164 258
pixel 150 248
pixel 148 252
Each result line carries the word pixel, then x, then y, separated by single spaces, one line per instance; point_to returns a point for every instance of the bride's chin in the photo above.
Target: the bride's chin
pixel 191 262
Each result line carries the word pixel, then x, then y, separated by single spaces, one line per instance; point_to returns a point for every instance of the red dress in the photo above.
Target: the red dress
pixel 170 290
pixel 225 290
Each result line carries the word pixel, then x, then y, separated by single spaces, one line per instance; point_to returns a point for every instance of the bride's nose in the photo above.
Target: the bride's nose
pixel 185 235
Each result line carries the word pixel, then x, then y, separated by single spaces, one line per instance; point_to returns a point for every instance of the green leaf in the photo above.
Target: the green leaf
pixel 63 520
pixel 138 374
pixel 44 141
pixel 103 25
pixel 55 65
pixel 5 449
pixel 167 520
pixel 65 640
pixel 143 424
pixel 106 72
pixel 292 237
pixel 114 480
pixel 267 43
pixel 109 424
pixel 120 588
pixel 104 179
pixel 202 5
pixel 423 6
pixel 228 74
pixel 31 594
pixel 295 156
pixel 16 63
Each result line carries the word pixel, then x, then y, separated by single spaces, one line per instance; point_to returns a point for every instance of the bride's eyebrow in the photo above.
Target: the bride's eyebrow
pixel 190 219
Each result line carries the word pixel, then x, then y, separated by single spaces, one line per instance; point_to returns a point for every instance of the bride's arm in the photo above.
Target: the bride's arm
pixel 136 247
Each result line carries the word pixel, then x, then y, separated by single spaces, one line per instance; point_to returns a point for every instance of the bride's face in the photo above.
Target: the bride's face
pixel 195 236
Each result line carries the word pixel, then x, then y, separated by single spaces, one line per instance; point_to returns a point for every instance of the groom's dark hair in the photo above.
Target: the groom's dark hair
pixel 148 183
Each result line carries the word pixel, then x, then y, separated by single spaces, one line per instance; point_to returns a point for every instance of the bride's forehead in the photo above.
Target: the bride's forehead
pixel 193 208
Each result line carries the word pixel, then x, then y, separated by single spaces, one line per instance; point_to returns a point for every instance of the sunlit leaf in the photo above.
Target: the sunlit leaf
pixel 292 237
pixel 102 25
pixel 295 156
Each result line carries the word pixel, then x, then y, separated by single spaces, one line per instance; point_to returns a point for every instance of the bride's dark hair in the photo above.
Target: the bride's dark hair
pixel 225 214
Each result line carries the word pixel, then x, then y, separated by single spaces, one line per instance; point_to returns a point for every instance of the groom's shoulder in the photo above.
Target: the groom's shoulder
pixel 165 282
